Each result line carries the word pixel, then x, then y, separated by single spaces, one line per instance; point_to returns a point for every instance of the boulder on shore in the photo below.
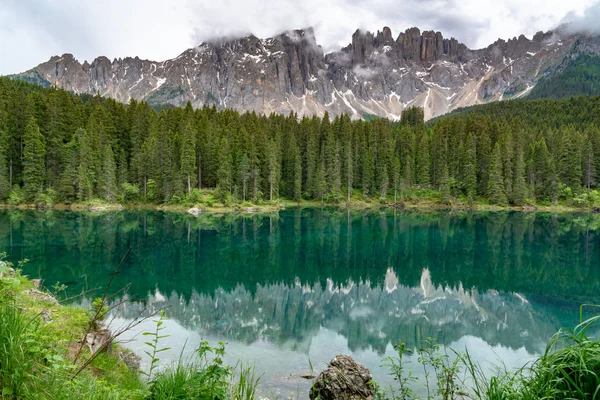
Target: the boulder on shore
pixel 343 379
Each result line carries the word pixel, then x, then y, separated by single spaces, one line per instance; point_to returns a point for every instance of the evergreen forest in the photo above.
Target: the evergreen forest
pixel 59 147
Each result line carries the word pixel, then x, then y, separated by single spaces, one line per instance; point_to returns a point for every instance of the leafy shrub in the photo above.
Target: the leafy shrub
pixel 150 190
pixel 46 198
pixel 195 196
pixel 565 192
pixel 587 199
pixel 130 192
pixel 16 196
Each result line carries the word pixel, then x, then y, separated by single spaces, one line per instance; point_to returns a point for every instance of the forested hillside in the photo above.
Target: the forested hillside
pixel 59 147
pixel 580 77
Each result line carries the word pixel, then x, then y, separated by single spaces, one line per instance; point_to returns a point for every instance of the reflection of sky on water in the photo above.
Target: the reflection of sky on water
pixel 360 320
pixel 283 366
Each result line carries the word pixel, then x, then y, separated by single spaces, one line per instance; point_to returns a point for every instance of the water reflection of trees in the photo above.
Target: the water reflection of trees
pixel 512 252
pixel 281 277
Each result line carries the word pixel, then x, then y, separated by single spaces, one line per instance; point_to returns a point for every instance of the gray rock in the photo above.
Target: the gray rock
pixel 373 75
pixel 195 211
pixel 344 379
pixel 45 316
pixel 38 295
pixel 96 341
pixel 130 359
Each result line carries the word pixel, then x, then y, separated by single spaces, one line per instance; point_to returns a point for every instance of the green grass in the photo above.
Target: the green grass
pixel 37 357
pixel 568 369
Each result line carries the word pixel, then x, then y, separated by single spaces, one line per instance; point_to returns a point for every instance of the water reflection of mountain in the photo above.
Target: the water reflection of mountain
pixel 283 276
pixel 367 315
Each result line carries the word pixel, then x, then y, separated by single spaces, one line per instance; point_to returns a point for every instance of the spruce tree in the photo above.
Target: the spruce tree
pixel 33 161
pixel 4 181
pixel 470 169
pixel 320 182
pixel 244 175
pixel 188 156
pixel 108 177
pixel 495 190
pixel 297 184
pixel 368 172
pixel 589 164
pixel 396 177
pixel 272 170
pixel 519 193
pixel 423 163
pixel 85 174
pixel 385 183
pixel 508 165
pixel 67 186
pixel 349 170
pixel 224 173
pixel 444 181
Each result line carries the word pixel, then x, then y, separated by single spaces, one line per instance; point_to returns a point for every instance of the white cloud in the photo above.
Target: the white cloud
pixel 33 30
pixel 588 20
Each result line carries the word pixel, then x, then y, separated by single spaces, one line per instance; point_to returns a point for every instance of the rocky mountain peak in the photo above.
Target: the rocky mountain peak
pixel 374 75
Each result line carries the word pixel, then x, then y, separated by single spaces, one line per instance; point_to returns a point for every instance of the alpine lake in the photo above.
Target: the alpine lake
pixel 293 289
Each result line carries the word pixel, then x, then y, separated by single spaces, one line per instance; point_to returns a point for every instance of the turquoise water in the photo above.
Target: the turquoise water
pixel 308 284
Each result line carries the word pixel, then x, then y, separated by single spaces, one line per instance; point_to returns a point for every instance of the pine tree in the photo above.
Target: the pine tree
pixel 320 182
pixel 244 175
pixel 255 178
pixel 508 165
pixel 224 173
pixel 188 156
pixel 368 172
pixel 33 161
pixel 349 170
pixel 408 172
pixel 483 160
pixel 470 169
pixel 396 177
pixel 272 170
pixel 519 186
pixel 589 164
pixel 4 181
pixel 67 186
pixel 108 178
pixel 444 181
pixel 385 183
pixel 85 174
pixel 297 185
pixel 495 189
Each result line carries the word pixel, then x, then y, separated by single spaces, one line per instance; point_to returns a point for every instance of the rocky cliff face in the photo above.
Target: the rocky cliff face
pixel 374 75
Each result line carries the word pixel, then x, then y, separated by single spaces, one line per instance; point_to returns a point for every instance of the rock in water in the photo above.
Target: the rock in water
pixel 195 211
pixel 344 379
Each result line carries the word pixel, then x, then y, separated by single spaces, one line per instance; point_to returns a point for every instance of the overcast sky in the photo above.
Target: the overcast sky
pixel 31 31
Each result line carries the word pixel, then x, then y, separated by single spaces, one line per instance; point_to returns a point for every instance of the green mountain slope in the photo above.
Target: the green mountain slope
pixel 580 76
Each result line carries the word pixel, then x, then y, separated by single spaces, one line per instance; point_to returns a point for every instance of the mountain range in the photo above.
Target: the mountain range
pixel 375 75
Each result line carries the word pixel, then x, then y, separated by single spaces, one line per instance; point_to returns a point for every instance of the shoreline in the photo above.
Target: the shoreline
pixel 285 204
